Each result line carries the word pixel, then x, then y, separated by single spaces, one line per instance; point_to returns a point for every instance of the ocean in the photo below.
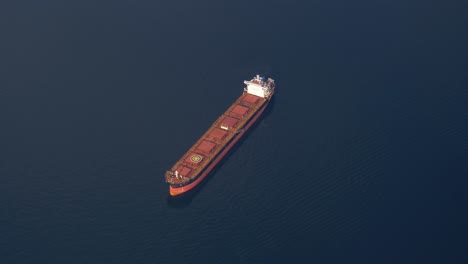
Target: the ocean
pixel 360 158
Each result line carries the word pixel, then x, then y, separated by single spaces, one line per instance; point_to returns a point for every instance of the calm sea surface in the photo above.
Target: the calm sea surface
pixel 360 158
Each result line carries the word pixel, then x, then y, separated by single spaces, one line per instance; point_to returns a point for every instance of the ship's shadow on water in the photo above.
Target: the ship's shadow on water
pixel 184 200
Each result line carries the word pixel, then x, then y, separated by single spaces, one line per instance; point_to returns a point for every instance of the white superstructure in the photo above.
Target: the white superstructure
pixel 260 86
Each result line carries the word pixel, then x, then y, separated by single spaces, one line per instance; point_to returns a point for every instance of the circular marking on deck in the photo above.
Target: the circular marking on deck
pixel 196 158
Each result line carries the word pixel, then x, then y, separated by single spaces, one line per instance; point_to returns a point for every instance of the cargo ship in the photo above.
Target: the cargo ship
pixel 223 134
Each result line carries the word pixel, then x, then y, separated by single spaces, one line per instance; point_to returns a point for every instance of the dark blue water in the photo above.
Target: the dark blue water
pixel 361 158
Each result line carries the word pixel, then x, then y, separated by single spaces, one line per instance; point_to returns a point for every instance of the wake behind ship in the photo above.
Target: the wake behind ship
pixel 223 134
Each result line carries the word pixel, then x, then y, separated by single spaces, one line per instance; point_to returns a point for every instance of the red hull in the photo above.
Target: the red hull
pixel 174 191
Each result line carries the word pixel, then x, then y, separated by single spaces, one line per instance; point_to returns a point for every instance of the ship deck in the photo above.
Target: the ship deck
pixel 214 139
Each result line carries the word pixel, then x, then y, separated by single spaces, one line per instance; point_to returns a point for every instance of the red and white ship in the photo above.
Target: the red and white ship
pixel 213 145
